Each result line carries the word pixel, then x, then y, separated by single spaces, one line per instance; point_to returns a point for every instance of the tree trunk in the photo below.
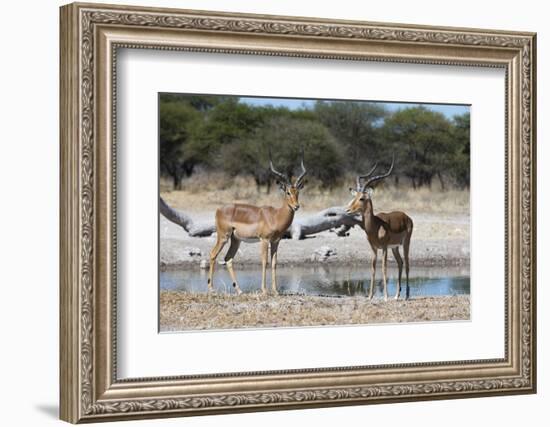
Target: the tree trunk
pixel 177 181
pixel 441 181
pixel 331 218
pixel 188 168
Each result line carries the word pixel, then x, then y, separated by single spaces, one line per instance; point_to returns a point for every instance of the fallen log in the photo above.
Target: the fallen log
pixel 194 229
pixel 328 219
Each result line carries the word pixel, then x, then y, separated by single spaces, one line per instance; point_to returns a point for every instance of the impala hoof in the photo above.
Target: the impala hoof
pixel 237 289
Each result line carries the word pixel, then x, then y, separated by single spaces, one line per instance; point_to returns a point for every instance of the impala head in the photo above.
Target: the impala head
pixel 363 190
pixel 290 190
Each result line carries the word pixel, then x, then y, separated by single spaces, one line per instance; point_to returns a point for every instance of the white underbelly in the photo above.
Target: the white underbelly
pixel 247 239
pixel 246 232
pixel 396 245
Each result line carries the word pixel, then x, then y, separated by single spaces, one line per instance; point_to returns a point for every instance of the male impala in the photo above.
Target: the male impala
pixel 384 230
pixel 246 223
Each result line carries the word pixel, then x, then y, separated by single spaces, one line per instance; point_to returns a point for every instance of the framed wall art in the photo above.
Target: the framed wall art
pixel 267 212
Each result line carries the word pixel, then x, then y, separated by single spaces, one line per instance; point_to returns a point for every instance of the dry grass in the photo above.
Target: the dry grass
pixel 185 311
pixel 203 192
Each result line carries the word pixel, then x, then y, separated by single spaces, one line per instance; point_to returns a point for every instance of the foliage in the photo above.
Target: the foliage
pixel 461 160
pixel 339 138
pixel 222 125
pixel 424 145
pixel 356 126
pixel 286 137
pixel 178 124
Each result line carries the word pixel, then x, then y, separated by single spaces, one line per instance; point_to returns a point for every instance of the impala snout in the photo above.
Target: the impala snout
pixel 354 205
pixel 350 210
pixel 292 194
pixel 294 206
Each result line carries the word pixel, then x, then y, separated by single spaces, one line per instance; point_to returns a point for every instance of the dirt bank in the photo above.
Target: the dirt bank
pixel 186 311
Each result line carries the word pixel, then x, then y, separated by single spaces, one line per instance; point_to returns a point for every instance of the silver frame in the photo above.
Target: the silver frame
pixel 90 37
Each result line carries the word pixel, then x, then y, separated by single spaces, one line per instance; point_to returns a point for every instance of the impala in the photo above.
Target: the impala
pixel 384 230
pixel 246 223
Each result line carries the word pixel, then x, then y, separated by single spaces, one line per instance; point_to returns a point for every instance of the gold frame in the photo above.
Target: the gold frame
pixel 90 36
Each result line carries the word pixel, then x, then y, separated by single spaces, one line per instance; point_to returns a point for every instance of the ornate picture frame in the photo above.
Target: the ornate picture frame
pixel 90 37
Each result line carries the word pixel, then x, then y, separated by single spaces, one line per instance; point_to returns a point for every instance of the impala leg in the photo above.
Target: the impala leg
pixel 406 255
pixel 274 247
pixel 385 272
pixel 264 250
pixel 233 248
pixel 373 272
pixel 399 261
pixel 220 243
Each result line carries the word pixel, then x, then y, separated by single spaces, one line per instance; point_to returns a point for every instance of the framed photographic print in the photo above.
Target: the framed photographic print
pixel 265 212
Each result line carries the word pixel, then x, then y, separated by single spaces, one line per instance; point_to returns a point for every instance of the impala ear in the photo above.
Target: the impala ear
pixel 301 185
pixel 353 191
pixel 281 185
pixel 369 191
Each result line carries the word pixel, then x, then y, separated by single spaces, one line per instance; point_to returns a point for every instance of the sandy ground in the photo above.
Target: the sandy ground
pixel 185 311
pixel 438 239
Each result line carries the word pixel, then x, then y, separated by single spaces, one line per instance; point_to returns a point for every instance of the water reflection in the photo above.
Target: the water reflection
pixel 323 280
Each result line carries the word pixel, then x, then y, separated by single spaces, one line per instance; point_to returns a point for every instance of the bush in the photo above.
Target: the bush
pixel 286 137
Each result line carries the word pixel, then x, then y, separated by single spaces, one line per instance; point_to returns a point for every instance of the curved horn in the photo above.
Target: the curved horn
pixel 275 172
pixel 304 171
pixel 360 177
pixel 377 178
